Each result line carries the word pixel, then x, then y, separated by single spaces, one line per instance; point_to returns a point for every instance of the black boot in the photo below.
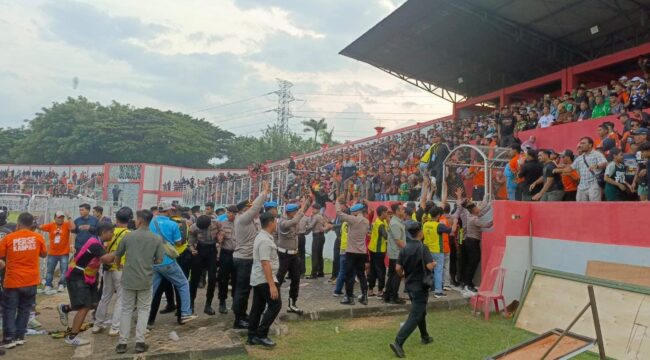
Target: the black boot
pixel 208 308
pixel 363 299
pixel 292 308
pixel 348 300
pixel 222 307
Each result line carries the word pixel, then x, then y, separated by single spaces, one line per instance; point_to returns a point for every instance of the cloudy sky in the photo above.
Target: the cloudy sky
pixel 199 56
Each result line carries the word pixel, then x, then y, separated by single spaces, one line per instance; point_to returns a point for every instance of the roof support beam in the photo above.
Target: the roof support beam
pixel 517 31
pixel 435 90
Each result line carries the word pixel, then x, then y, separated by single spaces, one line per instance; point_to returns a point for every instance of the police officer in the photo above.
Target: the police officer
pixel 203 239
pixel 271 207
pixel 356 252
pixel 414 264
pixel 246 229
pixel 226 271
pixel 288 251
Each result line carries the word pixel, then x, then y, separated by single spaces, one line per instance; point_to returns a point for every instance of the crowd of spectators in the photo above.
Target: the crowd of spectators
pixel 42 182
pixel 391 167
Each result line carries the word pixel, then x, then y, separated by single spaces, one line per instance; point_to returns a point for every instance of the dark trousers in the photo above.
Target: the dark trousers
pixel 226 274
pixel 569 196
pixel 337 259
pixel 301 251
pixel 242 287
pixel 377 272
pixel 166 287
pixel 355 265
pixel 205 260
pixel 290 264
pixel 16 305
pixel 454 262
pixel 258 323
pixel 317 244
pixel 472 251
pixel 393 282
pixel 417 317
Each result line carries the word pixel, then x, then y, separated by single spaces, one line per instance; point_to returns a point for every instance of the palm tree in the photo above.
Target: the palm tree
pixel 326 136
pixel 316 126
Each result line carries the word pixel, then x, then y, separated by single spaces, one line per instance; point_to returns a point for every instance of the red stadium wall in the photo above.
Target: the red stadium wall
pixel 566 136
pixel 610 223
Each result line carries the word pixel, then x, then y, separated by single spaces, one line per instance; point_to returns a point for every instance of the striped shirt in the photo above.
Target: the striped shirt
pixel 582 164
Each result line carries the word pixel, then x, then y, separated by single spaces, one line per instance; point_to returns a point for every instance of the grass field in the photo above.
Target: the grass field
pixel 327 266
pixel 457 335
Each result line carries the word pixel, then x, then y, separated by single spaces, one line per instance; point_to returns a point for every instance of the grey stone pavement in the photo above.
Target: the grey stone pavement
pixel 207 337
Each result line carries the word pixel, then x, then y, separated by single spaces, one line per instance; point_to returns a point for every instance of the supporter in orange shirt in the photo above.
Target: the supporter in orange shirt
pixel 21 250
pixel 59 250
pixel 569 180
pixel 477 174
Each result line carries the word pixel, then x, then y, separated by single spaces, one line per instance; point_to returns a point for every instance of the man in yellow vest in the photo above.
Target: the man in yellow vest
pixel 340 278
pixel 433 239
pixel 377 252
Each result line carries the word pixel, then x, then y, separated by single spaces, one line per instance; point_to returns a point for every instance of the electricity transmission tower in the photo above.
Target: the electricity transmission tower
pixel 284 105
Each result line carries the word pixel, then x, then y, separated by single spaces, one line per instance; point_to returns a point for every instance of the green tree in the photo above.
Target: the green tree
pixel 272 145
pixel 316 126
pixel 8 140
pixel 326 137
pixel 82 132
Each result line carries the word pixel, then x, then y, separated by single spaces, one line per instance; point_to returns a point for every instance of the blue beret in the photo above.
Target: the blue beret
pixel 356 207
pixel 291 208
pixel 222 217
pixel 270 204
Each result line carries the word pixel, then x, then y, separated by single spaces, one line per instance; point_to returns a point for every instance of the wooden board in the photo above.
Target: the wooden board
pixel 537 348
pixel 552 302
pixel 631 274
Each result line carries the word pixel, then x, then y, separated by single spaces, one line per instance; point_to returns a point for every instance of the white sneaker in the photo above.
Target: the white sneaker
pixel 49 290
pixel 76 341
pixel 63 316
pixel 61 288
pixel 96 329
pixel 9 345
pixel 113 332
pixel 20 341
pixel 33 323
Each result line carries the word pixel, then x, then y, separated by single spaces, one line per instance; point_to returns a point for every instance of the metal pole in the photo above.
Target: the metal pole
pixel 272 184
pixel 564 332
pixel 594 314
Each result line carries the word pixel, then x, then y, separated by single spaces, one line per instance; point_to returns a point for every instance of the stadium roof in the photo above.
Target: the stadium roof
pixel 465 48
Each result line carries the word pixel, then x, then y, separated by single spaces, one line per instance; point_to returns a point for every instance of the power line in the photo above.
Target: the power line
pixel 232 103
pixel 364 112
pixel 364 95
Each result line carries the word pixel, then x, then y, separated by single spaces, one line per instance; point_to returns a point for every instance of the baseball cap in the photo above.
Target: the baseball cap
pixel 165 206
pixel 641 131
pixel 59 214
pixel 636 78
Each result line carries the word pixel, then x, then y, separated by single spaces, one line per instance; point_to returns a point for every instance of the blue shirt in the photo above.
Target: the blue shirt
pixel 84 235
pixel 169 231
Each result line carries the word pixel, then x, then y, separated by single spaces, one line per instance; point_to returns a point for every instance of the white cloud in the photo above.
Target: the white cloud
pixel 211 53
pixel 223 27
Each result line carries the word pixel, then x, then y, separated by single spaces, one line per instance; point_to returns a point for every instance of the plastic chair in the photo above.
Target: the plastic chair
pixel 487 297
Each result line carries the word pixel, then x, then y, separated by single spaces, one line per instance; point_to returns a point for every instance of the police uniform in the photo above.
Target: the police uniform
pixel 226 270
pixel 318 225
pixel 288 253
pixel 204 242
pixel 303 229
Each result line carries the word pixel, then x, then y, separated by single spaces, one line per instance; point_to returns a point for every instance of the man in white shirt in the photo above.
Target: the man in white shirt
pixel 547 119
pixel 266 291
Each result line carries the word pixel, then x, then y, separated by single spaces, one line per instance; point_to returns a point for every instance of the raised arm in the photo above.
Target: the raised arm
pixel 249 215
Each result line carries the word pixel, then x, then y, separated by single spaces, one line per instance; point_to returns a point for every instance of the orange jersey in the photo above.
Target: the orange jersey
pixel 570 181
pixel 22 249
pixel 59 238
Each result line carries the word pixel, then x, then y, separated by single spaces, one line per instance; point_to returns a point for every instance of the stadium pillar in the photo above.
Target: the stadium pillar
pixel 502 98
